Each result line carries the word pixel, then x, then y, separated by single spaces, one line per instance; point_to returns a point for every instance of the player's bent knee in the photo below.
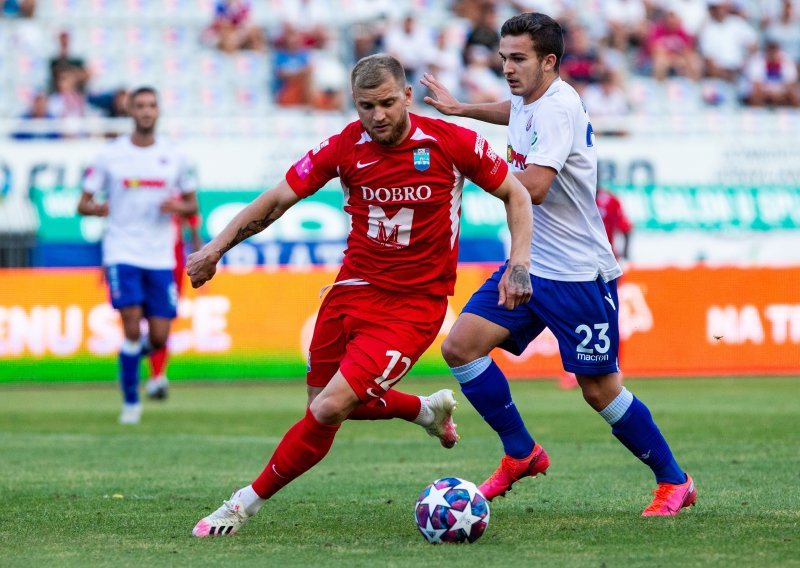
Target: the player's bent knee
pixel 593 398
pixel 599 391
pixel 455 352
pixel 328 410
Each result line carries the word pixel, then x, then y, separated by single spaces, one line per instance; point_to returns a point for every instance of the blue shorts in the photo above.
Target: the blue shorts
pixel 582 315
pixel 154 290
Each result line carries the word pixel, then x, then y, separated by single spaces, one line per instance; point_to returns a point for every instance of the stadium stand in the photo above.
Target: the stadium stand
pixel 206 92
pixel 159 42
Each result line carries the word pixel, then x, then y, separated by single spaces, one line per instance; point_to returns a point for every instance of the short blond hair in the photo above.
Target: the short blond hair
pixel 372 71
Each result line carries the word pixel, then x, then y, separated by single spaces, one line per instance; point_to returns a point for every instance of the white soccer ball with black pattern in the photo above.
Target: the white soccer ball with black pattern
pixel 451 510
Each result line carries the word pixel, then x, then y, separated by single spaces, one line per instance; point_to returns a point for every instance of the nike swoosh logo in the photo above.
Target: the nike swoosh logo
pixel 359 165
pixel 278 474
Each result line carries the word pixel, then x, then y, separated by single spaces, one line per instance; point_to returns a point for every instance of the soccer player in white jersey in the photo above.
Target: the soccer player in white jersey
pixel 145 181
pixel 573 270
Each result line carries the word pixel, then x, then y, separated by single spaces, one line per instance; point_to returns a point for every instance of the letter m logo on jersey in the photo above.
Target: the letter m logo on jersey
pixel 392 232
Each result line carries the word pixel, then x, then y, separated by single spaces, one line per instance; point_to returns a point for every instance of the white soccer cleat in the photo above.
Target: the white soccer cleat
pixel 226 520
pixel 442 404
pixel 157 388
pixel 131 413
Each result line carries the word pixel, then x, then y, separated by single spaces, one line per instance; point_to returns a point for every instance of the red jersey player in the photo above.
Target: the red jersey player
pixel 157 385
pixel 614 220
pixel 402 176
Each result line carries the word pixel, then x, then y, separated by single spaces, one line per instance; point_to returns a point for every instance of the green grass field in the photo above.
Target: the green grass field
pixel 77 489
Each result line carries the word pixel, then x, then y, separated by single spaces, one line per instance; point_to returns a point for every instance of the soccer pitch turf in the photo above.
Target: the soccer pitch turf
pixel 77 489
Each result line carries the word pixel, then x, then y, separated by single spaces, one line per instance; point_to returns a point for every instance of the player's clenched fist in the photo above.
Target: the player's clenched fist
pixel 202 265
pixel 515 287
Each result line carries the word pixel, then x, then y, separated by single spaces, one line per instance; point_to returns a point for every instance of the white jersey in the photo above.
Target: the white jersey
pixel 569 241
pixel 136 181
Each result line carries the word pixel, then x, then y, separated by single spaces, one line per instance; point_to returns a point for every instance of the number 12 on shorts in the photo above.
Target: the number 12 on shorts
pixel 395 357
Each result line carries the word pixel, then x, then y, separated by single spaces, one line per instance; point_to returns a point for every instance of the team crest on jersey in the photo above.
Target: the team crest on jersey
pixel 529 124
pixel 534 140
pixel 422 159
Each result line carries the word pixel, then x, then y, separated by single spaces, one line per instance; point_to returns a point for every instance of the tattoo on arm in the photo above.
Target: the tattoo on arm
pixel 252 228
pixel 521 278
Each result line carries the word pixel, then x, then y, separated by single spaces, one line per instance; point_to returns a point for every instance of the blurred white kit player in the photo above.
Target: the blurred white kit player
pixel 145 182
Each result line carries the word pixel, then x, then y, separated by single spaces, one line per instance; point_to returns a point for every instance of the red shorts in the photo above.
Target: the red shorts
pixel 373 336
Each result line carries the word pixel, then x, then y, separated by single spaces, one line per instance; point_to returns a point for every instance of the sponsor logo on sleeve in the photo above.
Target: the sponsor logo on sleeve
pixel 303 167
pixel 480 142
pixel 320 146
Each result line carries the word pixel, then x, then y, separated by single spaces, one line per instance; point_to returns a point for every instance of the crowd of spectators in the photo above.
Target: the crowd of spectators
pixel 726 48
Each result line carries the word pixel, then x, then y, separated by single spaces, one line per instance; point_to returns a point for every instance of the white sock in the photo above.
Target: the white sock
pixel 425 416
pixel 250 499
pixel 129 347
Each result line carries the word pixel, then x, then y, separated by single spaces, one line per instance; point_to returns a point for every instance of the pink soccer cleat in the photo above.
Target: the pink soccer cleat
pixel 226 520
pixel 442 404
pixel 512 470
pixel 671 498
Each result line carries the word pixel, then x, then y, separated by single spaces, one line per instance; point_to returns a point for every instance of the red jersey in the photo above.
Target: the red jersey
pixel 613 215
pixel 404 201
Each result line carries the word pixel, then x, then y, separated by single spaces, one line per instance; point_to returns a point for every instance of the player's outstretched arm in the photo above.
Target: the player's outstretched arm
pixel 444 101
pixel 262 212
pixel 515 286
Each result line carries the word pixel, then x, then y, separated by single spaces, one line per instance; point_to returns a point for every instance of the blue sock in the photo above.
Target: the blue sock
pixel 633 425
pixel 129 355
pixel 486 387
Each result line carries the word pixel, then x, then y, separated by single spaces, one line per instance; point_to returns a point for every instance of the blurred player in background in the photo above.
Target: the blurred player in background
pixel 157 386
pixel 402 176
pixel 618 228
pixel 574 272
pixel 616 223
pixel 145 181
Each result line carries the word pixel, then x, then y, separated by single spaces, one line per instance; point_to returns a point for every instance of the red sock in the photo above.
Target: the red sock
pixel 158 361
pixel 301 448
pixel 393 404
